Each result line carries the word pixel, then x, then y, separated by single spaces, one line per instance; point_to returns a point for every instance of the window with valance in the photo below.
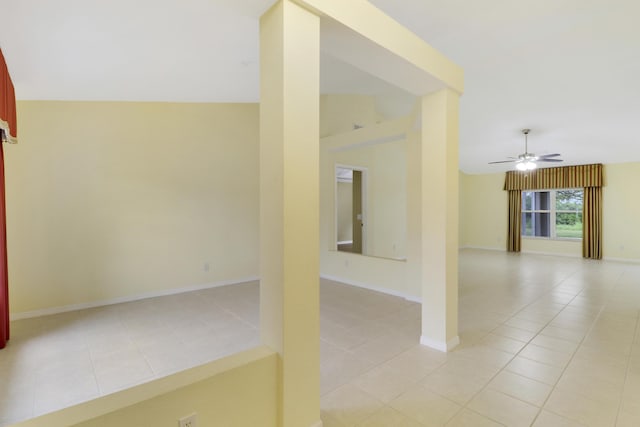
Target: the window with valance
pixel 587 177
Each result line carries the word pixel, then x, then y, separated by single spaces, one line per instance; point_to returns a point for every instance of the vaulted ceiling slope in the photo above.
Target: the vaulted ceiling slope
pixel 567 69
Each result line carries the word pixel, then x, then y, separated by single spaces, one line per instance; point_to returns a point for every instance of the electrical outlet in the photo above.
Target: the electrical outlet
pixel 188 421
pixel 206 267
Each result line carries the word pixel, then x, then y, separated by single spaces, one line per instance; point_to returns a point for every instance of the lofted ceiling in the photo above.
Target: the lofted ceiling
pixel 567 69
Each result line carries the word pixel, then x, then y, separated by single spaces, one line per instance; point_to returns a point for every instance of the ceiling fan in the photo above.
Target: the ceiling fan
pixel 528 161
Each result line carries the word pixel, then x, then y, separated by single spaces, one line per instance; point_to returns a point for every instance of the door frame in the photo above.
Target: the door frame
pixel 365 186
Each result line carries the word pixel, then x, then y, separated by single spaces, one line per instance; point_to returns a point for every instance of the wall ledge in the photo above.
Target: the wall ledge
pixel 113 402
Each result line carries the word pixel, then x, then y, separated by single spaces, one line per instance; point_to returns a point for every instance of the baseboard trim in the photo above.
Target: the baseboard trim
pixel 551 254
pixel 317 424
pixel 119 300
pixel 440 345
pixel 624 260
pixel 484 248
pixel 372 288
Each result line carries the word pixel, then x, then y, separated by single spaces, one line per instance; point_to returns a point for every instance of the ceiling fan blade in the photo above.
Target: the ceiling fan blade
pixel 550 160
pixel 503 161
pixel 544 156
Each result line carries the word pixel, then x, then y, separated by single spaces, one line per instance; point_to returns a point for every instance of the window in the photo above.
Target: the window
pixel 554 214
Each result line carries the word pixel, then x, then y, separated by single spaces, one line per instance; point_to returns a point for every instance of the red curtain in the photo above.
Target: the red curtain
pixel 8 133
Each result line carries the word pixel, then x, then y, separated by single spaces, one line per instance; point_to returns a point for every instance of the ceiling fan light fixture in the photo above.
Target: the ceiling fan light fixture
pixel 528 161
pixel 528 165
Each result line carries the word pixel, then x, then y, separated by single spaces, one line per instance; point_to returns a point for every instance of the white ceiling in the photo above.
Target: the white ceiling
pixel 567 69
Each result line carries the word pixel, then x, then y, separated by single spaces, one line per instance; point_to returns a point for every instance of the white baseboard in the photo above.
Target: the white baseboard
pixel 626 260
pixel 552 254
pixel 137 297
pixel 484 248
pixel 440 345
pixel 372 288
pixel 317 424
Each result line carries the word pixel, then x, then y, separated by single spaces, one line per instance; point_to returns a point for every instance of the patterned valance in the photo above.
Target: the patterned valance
pixel 581 176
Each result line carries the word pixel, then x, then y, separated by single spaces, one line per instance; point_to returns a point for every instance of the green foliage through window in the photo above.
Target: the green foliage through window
pixel 552 213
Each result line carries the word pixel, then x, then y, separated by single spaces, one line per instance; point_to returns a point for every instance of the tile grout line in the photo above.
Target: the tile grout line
pixel 571 359
pixel 526 344
pixel 628 367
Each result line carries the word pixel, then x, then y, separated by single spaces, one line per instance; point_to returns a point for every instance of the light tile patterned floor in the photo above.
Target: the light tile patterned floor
pixel 57 361
pixel 546 342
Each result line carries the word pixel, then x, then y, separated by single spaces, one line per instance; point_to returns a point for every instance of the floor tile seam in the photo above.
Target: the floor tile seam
pixel 101 391
pixel 464 408
pixel 627 370
pixel 530 304
pixel 520 351
pixel 460 409
pixel 561 416
pixel 555 384
pixel 246 322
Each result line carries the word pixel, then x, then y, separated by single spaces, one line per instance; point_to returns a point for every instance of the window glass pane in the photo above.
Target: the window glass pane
pixel 569 225
pixel 526 200
pixel 536 224
pixel 542 224
pixel 569 200
pixel 527 226
pixel 542 201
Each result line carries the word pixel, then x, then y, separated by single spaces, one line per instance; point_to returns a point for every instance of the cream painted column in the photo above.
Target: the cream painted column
pixel 439 189
pixel 289 206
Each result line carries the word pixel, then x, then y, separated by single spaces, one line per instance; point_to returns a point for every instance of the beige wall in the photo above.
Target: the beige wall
pixel 483 220
pixel 621 230
pixel 385 226
pixel 340 113
pixel 110 200
pixel 483 211
pixel 386 165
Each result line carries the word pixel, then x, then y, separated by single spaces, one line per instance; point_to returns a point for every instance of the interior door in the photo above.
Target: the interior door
pixel 357 212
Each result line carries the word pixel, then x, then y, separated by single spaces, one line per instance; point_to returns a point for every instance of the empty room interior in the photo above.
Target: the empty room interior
pixel 318 213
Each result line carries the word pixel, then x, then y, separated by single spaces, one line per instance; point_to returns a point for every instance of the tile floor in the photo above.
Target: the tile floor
pixel 546 341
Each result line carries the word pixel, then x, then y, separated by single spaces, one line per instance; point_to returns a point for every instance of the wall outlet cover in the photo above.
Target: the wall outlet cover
pixel 188 421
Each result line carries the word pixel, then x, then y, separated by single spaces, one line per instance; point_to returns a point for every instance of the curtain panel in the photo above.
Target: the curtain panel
pixel 592 220
pixel 8 133
pixel 515 219
pixel 588 177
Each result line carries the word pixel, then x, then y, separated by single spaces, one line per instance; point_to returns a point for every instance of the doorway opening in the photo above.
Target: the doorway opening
pixel 350 208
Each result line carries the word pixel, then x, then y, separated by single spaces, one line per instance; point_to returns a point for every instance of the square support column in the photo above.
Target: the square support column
pixel 289 206
pixel 439 205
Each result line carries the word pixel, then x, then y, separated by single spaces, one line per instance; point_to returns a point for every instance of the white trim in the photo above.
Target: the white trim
pixel 440 345
pixel 552 254
pixel 484 248
pixel 372 288
pixel 119 300
pixel 344 242
pixel 624 260
pixel 317 424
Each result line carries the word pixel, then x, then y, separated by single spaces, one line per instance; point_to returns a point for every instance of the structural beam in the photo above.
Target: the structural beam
pixel 439 205
pixel 289 205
